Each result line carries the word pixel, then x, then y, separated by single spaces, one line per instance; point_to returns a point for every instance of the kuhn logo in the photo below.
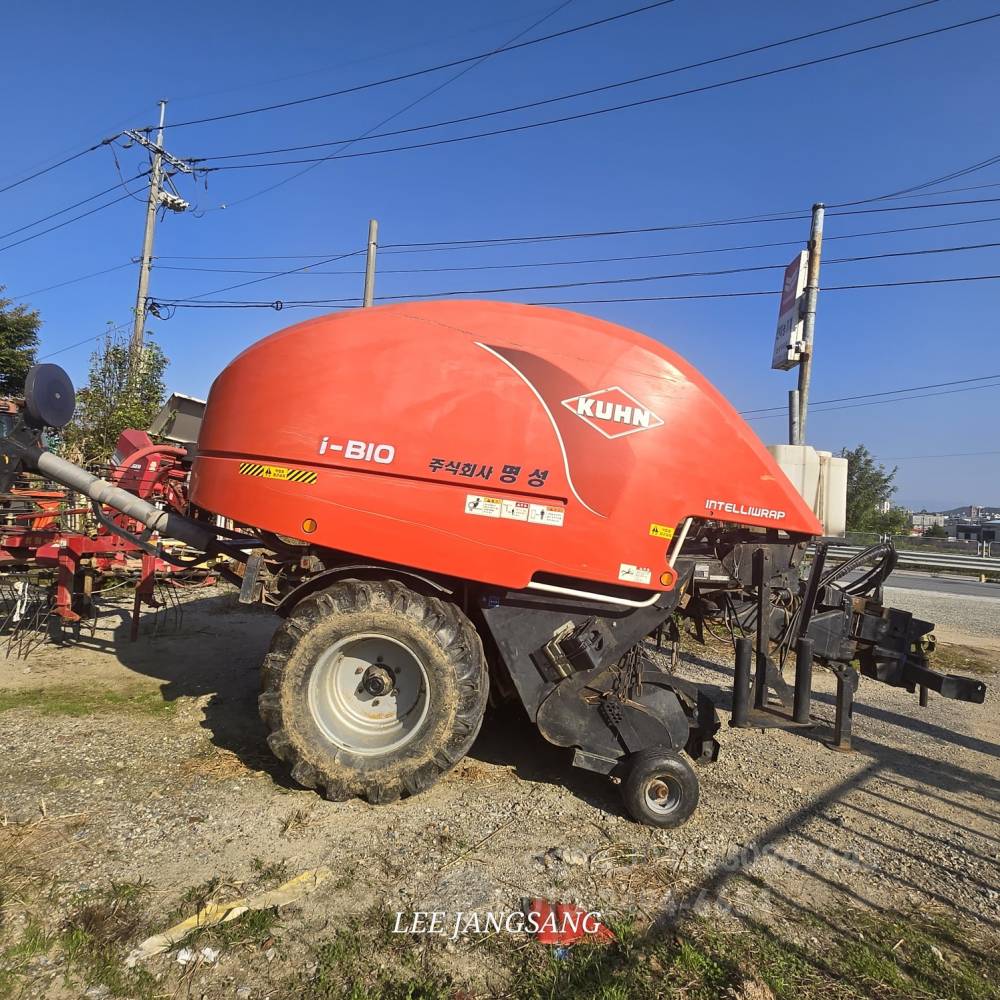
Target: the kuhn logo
pixel 613 412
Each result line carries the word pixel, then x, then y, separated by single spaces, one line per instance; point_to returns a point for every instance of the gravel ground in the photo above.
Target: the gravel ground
pixel 785 824
pixel 955 618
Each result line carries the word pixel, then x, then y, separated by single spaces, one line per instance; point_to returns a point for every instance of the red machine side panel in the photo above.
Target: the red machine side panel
pixel 483 440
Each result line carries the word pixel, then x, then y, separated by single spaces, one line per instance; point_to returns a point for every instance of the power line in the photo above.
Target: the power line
pixel 68 159
pixel 69 208
pixel 873 395
pixel 491 267
pixel 777 291
pixel 879 402
pixel 67 222
pixel 579 93
pixel 953 175
pixel 268 277
pixel 406 107
pixel 308 303
pixel 502 241
pixel 954 454
pixel 423 72
pixel 448 293
pixel 615 108
pixel 117 328
pixel 73 281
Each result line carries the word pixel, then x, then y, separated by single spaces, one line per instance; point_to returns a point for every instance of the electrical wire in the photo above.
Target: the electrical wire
pixel 735 295
pixel 421 72
pixel 576 94
pixel 68 159
pixel 955 454
pixel 880 402
pixel 118 169
pixel 449 293
pixel 411 104
pixel 110 331
pixel 871 395
pixel 72 281
pixel 76 218
pixel 644 102
pixel 318 303
pixel 254 281
pixel 68 208
pixel 492 267
pixel 953 175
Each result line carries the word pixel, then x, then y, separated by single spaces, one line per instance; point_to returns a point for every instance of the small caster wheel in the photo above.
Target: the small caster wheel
pixel 660 788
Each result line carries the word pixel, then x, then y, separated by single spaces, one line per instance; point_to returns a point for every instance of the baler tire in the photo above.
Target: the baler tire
pixel 660 788
pixel 450 656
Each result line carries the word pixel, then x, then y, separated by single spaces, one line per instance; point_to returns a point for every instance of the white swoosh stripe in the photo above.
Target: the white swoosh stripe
pixel 555 426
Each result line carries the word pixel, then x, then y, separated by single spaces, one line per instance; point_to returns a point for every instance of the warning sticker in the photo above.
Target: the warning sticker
pixel 483 506
pixel 634 574
pixel 661 531
pixel 543 513
pixel 514 510
pixel 280 472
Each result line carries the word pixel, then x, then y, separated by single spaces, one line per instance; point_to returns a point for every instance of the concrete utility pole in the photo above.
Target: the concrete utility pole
pixel 809 326
pixel 146 262
pixel 793 416
pixel 157 197
pixel 369 297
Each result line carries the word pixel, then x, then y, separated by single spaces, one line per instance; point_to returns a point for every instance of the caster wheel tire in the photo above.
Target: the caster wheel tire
pixel 372 690
pixel 660 789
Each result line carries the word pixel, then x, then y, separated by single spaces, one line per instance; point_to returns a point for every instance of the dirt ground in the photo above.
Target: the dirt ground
pixel 144 764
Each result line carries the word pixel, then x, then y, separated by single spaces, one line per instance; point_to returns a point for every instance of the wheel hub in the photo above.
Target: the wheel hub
pixel 368 694
pixel 378 681
pixel 662 794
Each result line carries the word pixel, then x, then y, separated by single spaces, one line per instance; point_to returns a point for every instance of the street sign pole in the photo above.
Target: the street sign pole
pixel 789 337
pixel 809 329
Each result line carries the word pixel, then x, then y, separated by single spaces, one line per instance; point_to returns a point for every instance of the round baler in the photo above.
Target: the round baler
pixel 455 502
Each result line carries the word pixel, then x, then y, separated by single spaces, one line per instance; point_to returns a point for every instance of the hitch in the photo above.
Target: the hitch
pixel 947 685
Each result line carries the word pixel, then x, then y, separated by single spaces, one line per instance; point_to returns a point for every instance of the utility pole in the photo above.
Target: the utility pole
pixel 809 327
pixel 157 197
pixel 369 297
pixel 793 416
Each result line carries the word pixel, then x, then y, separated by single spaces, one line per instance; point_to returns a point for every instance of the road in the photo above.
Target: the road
pixel 961 586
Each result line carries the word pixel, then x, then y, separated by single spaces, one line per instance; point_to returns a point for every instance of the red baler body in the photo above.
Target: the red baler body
pixel 485 441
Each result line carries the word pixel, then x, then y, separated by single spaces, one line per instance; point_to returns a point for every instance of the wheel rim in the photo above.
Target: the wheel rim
pixel 662 793
pixel 355 718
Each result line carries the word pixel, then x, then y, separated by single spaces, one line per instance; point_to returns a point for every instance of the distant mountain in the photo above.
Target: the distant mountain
pixel 965 511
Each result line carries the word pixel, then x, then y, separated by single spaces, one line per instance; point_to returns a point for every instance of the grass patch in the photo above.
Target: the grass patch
pixel 365 960
pixel 82 701
pixel 891 958
pixel 88 947
pixel 951 658
pixel 896 957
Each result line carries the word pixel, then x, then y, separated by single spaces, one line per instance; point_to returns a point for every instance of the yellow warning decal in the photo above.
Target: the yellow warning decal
pixel 661 531
pixel 277 472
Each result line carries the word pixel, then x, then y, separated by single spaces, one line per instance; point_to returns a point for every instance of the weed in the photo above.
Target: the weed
pixel 269 873
pixel 950 658
pixel 94 936
pixel 82 701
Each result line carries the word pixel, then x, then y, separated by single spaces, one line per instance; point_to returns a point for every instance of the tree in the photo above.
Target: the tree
pixel 118 394
pixel 19 327
pixel 936 531
pixel 869 494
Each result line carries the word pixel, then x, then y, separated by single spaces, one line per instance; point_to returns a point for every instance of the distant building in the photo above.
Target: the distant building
pixel 923 521
pixel 978 531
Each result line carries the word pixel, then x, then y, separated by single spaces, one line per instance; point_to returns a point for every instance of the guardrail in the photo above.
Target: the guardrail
pixel 927 560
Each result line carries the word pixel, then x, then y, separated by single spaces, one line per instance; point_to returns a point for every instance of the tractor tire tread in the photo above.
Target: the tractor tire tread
pixel 330 769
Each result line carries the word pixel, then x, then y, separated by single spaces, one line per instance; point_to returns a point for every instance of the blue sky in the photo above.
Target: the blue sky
pixel 846 130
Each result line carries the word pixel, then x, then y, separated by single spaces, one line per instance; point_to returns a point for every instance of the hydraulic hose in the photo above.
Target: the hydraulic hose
pixel 167 523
